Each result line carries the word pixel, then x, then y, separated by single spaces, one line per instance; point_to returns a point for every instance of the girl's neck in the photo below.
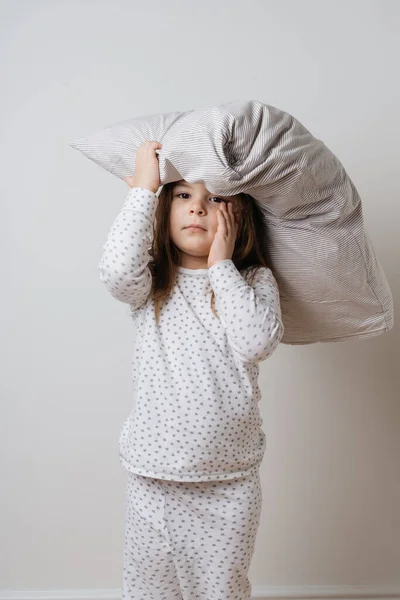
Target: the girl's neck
pixel 193 271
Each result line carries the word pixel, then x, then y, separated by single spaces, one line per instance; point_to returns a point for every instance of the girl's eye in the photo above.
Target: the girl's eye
pixel 216 197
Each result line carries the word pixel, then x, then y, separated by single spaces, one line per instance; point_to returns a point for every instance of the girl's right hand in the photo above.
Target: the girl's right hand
pixel 147 174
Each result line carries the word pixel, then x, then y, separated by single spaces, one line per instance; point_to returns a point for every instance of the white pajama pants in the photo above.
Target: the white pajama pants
pixel 190 540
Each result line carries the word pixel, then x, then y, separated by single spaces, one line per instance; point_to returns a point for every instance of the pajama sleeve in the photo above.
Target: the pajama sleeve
pixel 251 314
pixel 124 263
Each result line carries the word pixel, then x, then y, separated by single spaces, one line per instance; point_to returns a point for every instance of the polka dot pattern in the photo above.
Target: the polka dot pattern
pixel 190 541
pixel 196 414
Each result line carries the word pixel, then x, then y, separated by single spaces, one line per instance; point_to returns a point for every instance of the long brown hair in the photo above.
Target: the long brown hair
pixel 249 252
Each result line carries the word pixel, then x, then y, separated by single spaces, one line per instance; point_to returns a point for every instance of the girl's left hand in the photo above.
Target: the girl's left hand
pixel 225 237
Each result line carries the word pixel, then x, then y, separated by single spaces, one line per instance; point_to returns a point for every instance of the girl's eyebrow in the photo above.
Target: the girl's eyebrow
pixel 181 184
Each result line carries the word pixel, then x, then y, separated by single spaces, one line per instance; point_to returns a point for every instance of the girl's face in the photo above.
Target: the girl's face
pixel 193 203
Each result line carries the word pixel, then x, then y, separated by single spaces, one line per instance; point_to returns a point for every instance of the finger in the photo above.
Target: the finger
pixel 228 226
pixel 221 221
pixel 228 218
pixel 235 221
pixel 154 144
pixel 231 215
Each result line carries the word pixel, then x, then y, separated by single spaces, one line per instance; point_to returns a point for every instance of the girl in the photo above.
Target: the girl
pixel 207 310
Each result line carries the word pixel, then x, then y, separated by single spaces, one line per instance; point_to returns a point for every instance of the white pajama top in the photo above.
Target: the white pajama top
pixel 195 415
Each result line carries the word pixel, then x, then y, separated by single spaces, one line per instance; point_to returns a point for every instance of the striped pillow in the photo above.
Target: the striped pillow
pixel 331 283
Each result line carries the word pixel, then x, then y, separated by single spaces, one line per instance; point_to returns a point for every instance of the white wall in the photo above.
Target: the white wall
pixel 331 512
